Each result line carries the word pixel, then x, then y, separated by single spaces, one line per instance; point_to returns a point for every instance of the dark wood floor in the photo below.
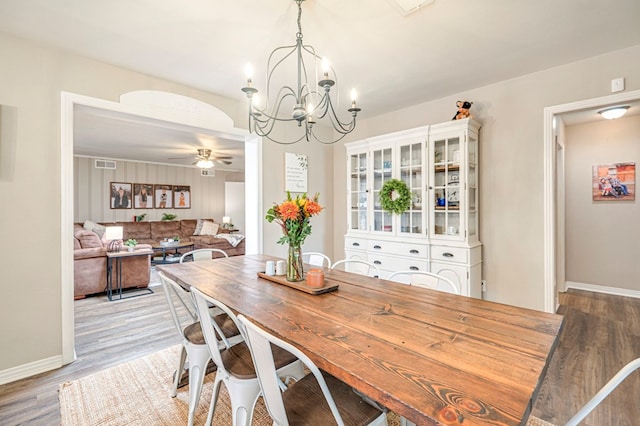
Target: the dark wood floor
pixel 601 334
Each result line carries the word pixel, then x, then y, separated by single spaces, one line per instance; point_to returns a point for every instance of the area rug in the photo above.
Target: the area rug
pixel 138 392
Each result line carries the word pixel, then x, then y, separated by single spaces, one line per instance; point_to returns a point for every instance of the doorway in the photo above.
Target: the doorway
pixel 216 121
pixel 554 259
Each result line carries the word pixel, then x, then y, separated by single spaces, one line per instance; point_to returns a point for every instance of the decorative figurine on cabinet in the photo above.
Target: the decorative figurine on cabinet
pixel 463 110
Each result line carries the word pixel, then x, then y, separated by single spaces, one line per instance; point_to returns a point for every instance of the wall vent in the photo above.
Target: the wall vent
pixel 208 172
pixel 105 164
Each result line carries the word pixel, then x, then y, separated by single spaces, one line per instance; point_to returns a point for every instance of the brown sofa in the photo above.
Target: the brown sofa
pixel 154 232
pixel 90 265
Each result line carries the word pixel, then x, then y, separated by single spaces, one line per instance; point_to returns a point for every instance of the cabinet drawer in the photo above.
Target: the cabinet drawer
pixel 393 263
pixel 352 243
pixel 451 254
pixel 399 249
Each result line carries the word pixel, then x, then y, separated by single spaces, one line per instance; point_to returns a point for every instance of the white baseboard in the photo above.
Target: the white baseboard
pixel 31 369
pixel 603 289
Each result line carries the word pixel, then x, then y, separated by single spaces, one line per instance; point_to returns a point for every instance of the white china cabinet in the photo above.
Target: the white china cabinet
pixel 439 230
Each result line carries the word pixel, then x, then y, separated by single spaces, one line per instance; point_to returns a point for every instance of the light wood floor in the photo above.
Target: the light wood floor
pixel 601 334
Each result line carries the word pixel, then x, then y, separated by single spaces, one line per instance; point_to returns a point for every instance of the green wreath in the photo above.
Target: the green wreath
pixel 395 196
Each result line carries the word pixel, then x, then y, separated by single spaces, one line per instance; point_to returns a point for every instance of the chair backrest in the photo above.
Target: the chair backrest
pixel 425 279
pixel 177 296
pixel 358 266
pixel 202 254
pixel 259 342
pixel 316 259
pixel 213 335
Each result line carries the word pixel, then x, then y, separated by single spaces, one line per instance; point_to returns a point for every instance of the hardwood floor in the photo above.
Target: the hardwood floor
pixel 601 334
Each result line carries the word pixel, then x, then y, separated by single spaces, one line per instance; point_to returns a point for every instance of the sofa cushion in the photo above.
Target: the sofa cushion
pixel 188 227
pixel 76 243
pixel 97 228
pixel 165 229
pixel 137 230
pixel 88 239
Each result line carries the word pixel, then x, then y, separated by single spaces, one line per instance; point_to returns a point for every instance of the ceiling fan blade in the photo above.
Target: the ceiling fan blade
pixel 217 160
pixel 180 158
pixel 222 157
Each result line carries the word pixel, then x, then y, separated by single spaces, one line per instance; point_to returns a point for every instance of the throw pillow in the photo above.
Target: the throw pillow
pixel 88 239
pixel 92 226
pixel 209 228
pixel 198 227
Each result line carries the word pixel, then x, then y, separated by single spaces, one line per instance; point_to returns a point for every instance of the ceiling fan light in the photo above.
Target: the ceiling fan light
pixel 613 112
pixel 204 164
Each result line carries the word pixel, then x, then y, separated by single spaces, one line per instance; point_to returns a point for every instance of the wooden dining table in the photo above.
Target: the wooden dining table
pixel 430 356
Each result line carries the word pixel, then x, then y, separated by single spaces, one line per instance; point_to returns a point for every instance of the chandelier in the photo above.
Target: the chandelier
pixel 304 104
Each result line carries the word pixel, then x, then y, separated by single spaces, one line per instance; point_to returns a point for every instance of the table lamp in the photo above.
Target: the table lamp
pixel 226 222
pixel 113 234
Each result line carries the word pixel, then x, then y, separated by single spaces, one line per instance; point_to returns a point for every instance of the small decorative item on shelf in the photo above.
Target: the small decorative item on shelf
pixel 168 216
pixel 293 215
pixel 131 244
pixel 140 217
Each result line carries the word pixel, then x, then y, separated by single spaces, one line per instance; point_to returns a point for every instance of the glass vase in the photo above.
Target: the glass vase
pixel 294 264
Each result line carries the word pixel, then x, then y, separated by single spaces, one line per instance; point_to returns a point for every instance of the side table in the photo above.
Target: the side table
pixel 117 257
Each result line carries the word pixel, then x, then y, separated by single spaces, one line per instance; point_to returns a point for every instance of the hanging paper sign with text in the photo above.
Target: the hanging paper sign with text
pixel 296 172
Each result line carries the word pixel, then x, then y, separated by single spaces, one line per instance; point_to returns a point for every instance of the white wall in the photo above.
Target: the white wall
pixel 601 236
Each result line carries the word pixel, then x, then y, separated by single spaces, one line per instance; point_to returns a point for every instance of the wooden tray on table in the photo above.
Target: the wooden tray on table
pixel 301 285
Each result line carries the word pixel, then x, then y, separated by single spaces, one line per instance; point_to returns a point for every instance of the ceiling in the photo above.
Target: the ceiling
pixel 393 59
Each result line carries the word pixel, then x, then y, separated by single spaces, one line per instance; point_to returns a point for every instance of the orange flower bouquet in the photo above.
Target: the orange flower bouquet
pixel 293 215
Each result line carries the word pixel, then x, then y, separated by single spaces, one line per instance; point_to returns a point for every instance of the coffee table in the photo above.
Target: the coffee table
pixel 169 251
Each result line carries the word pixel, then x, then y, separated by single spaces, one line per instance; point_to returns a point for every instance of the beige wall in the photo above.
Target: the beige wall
pixel 91 190
pixel 601 236
pixel 32 77
pixel 511 162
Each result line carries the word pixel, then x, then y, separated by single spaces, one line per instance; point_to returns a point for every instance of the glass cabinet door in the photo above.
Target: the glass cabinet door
pixel 446 187
pixel 411 173
pixel 358 197
pixel 472 185
pixel 382 172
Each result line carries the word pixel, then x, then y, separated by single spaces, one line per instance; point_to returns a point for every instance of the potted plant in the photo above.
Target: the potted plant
pixel 131 244
pixel 168 216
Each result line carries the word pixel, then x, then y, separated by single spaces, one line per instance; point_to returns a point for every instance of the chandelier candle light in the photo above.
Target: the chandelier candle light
pixel 293 216
pixel 304 104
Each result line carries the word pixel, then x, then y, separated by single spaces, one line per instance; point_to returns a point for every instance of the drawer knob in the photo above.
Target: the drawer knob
pixel 414 251
pixel 356 244
pixel 414 268
pixel 447 254
pixel 377 262
pixel 377 247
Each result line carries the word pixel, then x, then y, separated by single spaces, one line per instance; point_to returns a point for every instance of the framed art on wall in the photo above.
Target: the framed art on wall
pixel 181 197
pixel 614 182
pixel 163 195
pixel 120 195
pixel 142 195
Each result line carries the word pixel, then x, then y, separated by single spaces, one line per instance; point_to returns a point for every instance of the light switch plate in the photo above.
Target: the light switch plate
pixel 617 84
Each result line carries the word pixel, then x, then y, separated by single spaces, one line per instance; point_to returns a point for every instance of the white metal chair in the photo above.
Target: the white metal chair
pixel 235 367
pixel 619 377
pixel 316 399
pixel 316 259
pixel 425 279
pixel 358 266
pixel 202 254
pixel 194 348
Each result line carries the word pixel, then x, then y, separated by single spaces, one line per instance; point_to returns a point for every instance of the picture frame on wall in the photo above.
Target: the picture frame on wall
pixel 163 196
pixel 143 195
pixel 120 195
pixel 614 182
pixel 181 197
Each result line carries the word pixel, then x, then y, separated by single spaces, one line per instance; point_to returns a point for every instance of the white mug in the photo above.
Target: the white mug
pixel 270 268
pixel 453 230
pixel 281 268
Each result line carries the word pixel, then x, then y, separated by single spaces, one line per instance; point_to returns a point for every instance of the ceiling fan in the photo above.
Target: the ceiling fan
pixel 205 160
